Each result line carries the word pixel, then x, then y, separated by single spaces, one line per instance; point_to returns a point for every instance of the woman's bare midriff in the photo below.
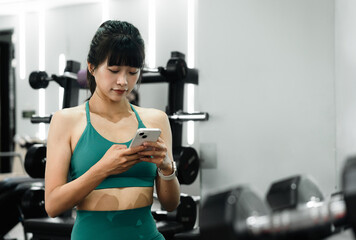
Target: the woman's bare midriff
pixel 113 199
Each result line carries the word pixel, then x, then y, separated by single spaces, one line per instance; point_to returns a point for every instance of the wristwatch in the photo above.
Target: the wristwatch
pixel 169 177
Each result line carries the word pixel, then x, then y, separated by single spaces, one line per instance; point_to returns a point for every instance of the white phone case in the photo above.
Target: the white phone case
pixel 145 135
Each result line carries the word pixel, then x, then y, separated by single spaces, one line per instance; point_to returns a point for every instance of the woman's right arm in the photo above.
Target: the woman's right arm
pixel 60 195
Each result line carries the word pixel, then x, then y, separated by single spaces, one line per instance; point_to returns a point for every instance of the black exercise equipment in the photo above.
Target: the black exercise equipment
pixel 68 81
pixel 292 192
pixel 228 214
pixel 32 202
pixel 349 191
pixel 12 155
pixel 180 220
pixel 59 228
pixel 298 192
pixel 176 74
pixel 188 163
pixel 39 80
pixel 7 99
pixel 224 215
pixel 35 160
pixel 186 213
pixel 11 192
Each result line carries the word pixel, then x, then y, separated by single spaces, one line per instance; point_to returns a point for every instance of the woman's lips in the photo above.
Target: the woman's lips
pixel 120 91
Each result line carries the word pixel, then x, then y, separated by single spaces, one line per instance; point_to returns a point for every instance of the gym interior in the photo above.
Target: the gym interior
pixel 261 97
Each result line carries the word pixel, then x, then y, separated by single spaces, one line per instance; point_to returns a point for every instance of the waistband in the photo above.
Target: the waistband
pixel 132 210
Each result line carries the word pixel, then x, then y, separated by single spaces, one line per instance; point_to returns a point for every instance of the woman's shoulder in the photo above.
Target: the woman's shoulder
pixel 150 112
pixel 151 115
pixel 65 121
pixel 69 115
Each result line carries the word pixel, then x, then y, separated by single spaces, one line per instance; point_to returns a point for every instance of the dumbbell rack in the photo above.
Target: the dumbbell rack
pixel 176 74
pixel 68 81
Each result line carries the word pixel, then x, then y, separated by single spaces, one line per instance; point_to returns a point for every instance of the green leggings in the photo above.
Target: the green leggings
pixel 128 224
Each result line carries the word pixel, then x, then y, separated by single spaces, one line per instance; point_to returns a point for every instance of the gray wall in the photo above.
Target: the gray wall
pixel 276 77
pixel 345 75
pixel 267 70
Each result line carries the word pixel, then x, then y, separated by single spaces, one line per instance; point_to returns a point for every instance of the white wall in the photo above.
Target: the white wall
pixel 275 76
pixel 345 73
pixel 267 78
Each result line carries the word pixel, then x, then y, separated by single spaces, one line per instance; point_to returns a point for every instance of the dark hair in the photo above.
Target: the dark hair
pixel 118 42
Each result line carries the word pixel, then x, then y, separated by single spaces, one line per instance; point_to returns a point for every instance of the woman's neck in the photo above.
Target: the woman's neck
pixel 105 107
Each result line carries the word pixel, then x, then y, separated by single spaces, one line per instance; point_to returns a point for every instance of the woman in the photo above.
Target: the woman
pixel 111 185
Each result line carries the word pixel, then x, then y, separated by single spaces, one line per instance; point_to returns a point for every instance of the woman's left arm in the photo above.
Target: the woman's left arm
pixel 168 191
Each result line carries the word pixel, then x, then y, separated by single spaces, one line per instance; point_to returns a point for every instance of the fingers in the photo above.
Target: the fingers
pixel 134 150
pixel 128 154
pixel 156 153
pixel 155 145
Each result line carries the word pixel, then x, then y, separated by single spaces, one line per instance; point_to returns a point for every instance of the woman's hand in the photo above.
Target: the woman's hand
pixel 118 158
pixel 156 153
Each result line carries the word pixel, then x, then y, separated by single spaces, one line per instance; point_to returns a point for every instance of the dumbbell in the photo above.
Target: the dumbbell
pixel 186 213
pixel 224 214
pixel 181 219
pixel 35 160
pixel 240 214
pixel 292 192
pixel 39 80
pixel 298 193
pixel 188 164
pixel 33 203
pixel 311 216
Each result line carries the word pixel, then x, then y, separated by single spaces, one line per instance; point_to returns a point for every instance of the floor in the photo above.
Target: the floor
pixel 16 233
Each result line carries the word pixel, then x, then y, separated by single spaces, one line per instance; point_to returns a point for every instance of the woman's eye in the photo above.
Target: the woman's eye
pixel 113 71
pixel 134 73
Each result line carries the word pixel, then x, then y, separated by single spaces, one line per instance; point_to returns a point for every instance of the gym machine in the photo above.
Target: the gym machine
pixel 176 74
pixel 18 194
pixel 297 210
pixel 11 189
pixel 68 81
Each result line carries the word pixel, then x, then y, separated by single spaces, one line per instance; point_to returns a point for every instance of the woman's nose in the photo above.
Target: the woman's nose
pixel 122 79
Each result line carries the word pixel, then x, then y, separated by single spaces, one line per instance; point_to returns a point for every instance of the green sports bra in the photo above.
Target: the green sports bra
pixel 91 147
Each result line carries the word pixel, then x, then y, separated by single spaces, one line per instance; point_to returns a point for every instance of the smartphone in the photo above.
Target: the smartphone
pixel 145 135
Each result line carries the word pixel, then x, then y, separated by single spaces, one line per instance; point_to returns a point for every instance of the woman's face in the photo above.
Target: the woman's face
pixel 115 82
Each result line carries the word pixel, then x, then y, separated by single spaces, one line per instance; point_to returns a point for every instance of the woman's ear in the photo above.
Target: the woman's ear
pixel 91 68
